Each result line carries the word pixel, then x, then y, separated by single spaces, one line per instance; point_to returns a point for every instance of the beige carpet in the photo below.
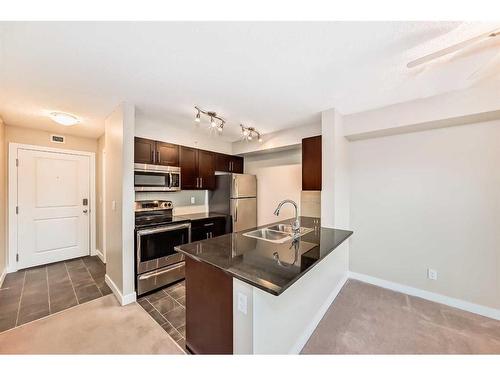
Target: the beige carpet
pixel 101 326
pixel 365 319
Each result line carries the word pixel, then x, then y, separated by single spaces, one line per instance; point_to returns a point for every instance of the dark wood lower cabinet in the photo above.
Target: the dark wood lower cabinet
pixel 208 228
pixel 209 309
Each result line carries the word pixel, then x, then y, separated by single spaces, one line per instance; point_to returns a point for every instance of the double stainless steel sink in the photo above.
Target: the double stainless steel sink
pixel 277 233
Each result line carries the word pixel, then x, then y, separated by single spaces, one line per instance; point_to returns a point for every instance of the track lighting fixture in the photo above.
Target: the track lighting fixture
pixel 217 123
pixel 213 117
pixel 249 133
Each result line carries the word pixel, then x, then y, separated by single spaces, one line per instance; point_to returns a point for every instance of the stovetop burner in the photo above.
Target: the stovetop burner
pixel 153 212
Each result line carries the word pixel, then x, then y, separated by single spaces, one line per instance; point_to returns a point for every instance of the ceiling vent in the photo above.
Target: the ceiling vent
pixel 57 138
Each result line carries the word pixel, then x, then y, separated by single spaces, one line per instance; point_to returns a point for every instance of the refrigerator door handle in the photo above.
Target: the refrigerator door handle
pixel 235 211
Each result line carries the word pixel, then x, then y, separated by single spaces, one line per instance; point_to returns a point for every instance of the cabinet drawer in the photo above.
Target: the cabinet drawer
pixel 208 228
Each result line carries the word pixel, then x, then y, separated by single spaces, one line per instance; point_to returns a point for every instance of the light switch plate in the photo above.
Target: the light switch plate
pixel 432 274
pixel 242 303
pixel 193 200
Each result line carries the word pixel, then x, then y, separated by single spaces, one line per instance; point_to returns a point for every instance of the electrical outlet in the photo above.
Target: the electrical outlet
pixel 193 200
pixel 432 274
pixel 242 303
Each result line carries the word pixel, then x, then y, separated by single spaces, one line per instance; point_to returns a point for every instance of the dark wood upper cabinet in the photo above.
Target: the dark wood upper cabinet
pixel 167 154
pixel 188 161
pixel 144 151
pixel 222 162
pixel 228 163
pixel 197 169
pixel 237 166
pixel 197 166
pixel 206 169
pixel 311 163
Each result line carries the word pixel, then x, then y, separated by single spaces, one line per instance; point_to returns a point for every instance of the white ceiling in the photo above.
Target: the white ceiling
pixel 268 75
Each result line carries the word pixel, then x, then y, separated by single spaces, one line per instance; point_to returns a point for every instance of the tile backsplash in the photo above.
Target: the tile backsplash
pixel 180 199
pixel 310 203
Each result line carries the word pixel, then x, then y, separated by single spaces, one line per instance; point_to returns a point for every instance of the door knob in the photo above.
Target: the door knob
pixel 85 211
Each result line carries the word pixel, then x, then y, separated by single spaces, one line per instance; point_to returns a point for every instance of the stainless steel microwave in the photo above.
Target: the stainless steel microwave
pixel 149 177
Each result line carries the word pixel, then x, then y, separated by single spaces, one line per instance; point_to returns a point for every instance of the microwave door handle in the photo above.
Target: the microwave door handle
pixel 170 180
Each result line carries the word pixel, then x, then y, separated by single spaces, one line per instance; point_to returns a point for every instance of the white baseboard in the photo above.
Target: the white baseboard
pixel 434 297
pixel 123 299
pixel 2 276
pixel 299 344
pixel 100 255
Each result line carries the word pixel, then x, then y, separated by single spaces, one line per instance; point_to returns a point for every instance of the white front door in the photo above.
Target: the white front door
pixel 53 221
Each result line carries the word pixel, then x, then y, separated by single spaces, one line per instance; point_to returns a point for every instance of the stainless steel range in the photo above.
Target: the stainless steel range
pixel 156 235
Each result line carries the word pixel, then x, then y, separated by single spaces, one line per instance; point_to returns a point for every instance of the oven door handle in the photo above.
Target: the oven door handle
pixel 151 274
pixel 167 228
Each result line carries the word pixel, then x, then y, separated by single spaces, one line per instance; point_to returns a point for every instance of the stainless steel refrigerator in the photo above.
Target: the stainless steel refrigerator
pixel 236 195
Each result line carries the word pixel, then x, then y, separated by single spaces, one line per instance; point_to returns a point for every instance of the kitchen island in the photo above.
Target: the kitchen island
pixel 241 290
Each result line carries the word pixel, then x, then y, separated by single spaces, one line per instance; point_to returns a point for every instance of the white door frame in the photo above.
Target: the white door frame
pixel 12 197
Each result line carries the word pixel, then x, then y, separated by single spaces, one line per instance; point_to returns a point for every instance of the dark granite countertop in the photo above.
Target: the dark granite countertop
pixel 272 267
pixel 198 216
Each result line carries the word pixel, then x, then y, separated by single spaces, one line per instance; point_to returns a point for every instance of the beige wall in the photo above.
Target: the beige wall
pixel 279 176
pixel 16 134
pixel 119 200
pixel 99 181
pixel 3 200
pixel 430 200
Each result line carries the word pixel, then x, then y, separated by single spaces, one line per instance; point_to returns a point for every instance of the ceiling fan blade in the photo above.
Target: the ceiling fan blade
pixel 491 67
pixel 451 49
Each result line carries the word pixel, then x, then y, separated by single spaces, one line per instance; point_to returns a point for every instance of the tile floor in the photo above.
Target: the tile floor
pixel 33 293
pixel 168 307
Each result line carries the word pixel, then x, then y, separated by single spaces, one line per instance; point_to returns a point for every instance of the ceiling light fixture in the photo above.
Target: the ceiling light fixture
pixel 64 118
pixel 213 119
pixel 249 133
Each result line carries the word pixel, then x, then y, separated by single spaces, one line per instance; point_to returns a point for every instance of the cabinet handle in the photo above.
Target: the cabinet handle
pixel 230 166
pixel 197 182
pixel 153 156
pixel 158 152
pixel 201 182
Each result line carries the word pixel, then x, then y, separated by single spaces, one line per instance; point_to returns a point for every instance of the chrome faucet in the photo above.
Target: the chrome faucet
pixel 296 223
